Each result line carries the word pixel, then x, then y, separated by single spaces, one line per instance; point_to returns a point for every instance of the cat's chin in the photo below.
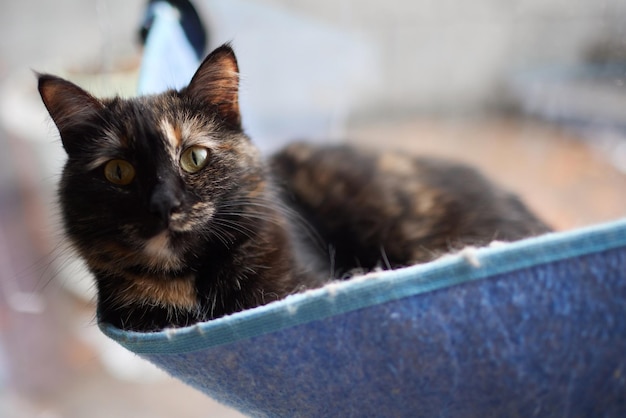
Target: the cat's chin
pixel 159 250
pixel 158 244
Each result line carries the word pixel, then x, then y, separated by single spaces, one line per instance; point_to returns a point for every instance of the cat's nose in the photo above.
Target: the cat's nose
pixel 164 202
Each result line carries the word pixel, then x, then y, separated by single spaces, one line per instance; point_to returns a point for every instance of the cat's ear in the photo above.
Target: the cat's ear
pixel 216 83
pixel 68 105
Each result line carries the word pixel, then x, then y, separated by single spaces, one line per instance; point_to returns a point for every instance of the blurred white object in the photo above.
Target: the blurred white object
pixel 169 61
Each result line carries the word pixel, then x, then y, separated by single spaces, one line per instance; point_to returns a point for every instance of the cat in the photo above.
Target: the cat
pixel 181 220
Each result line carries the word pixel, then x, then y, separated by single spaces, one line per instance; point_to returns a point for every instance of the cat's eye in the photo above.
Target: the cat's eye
pixel 194 159
pixel 119 172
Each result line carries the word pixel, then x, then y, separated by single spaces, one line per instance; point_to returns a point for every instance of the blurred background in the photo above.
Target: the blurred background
pixel 531 91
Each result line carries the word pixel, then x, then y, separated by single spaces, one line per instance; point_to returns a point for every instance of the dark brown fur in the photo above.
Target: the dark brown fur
pixel 172 248
pixel 392 210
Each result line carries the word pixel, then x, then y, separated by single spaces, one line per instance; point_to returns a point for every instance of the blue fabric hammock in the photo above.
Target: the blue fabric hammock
pixel 532 328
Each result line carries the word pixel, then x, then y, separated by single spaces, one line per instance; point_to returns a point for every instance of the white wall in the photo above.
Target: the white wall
pixel 455 55
pixel 428 55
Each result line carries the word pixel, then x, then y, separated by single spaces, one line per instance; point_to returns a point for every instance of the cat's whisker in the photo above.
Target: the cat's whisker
pixel 236 226
pixel 385 258
pixel 287 213
pixel 220 233
pixel 294 216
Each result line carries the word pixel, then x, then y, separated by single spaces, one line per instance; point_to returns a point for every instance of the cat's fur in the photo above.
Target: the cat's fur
pixel 173 248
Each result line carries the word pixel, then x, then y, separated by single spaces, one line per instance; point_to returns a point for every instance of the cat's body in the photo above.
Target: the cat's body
pixel 180 220
pixel 387 209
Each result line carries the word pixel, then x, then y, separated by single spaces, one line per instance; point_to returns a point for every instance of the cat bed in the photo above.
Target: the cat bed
pixel 531 328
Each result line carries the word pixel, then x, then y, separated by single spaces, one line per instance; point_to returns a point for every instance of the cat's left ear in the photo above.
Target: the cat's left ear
pixel 216 83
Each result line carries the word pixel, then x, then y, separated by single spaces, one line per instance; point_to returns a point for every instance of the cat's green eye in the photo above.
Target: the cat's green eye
pixel 119 172
pixel 194 159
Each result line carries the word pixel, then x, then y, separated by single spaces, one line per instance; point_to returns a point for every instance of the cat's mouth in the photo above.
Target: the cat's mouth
pixel 159 246
pixel 159 241
pixel 164 244
pixel 178 223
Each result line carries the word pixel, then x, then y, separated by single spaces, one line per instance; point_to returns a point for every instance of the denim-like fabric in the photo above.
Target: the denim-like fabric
pixel 533 328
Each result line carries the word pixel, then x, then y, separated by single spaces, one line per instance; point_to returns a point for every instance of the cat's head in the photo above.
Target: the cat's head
pixel 148 178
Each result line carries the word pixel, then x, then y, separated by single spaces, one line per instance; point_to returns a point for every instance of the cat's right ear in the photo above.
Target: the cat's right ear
pixel 68 105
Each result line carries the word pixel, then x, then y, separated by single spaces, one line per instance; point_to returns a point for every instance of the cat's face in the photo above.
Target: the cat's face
pixel 148 178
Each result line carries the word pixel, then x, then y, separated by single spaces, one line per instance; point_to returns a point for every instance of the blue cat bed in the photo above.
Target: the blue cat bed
pixel 532 328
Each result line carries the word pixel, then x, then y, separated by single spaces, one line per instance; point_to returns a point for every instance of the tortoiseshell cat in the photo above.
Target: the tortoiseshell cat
pixel 180 220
